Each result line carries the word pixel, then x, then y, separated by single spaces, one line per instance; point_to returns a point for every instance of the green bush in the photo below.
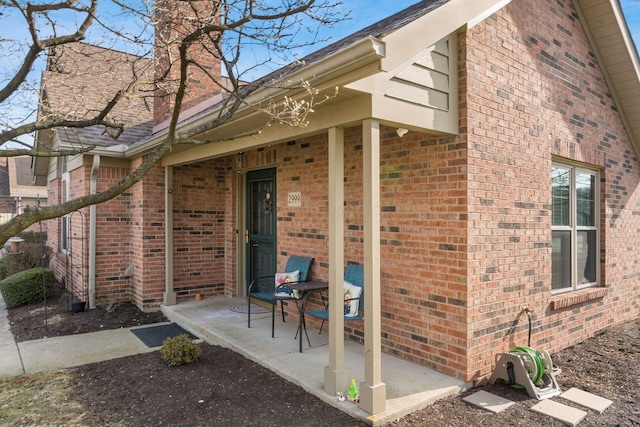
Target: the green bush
pixel 3 270
pixel 179 350
pixel 26 287
pixel 31 255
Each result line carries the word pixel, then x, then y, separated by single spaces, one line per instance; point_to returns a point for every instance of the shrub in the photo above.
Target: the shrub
pixel 26 287
pixel 3 270
pixel 31 255
pixel 179 350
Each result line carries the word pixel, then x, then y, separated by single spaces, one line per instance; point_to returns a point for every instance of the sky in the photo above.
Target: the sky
pixel 631 9
pixel 361 14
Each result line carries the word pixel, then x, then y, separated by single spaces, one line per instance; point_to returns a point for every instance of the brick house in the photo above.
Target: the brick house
pixel 16 188
pixel 488 156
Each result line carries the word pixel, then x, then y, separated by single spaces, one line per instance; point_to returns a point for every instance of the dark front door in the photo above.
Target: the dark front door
pixel 261 224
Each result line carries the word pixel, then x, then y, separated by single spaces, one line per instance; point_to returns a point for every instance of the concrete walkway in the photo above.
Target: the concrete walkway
pixel 409 386
pixel 62 352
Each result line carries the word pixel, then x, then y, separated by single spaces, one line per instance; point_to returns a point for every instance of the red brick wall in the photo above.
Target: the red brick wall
pixel 147 238
pixel 303 167
pixel 534 88
pixel 113 240
pixel 70 267
pixel 200 247
pixel 466 226
pixel 7 205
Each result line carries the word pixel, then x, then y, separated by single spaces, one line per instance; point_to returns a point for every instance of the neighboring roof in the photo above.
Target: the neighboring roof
pixel 16 178
pixel 79 82
pixel 22 169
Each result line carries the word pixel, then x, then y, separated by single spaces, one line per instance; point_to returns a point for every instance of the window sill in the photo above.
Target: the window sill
pixel 578 297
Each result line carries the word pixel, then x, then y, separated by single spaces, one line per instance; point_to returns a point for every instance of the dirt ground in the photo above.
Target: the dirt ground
pixel 224 388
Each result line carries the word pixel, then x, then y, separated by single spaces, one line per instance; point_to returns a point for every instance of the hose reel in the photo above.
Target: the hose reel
pixel 525 367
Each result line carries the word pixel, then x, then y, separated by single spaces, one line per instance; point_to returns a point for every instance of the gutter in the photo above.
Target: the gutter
pixel 93 185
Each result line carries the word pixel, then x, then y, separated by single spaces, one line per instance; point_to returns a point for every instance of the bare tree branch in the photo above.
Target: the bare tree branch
pixel 220 31
pixel 38 45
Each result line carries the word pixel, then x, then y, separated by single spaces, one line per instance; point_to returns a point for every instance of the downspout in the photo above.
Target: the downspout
pixel 93 186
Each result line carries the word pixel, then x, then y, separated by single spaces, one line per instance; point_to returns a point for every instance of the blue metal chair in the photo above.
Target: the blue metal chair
pixel 353 274
pixel 264 288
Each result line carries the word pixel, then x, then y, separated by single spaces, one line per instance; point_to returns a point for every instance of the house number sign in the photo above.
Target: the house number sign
pixel 294 199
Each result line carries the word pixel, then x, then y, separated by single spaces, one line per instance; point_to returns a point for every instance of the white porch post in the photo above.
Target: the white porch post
pixel 373 392
pixel 169 297
pixel 336 377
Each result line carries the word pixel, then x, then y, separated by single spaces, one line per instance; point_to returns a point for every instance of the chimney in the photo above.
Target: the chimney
pixel 175 19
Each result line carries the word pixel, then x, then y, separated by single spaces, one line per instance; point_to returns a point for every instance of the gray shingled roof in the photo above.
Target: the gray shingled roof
pixel 82 78
pixel 378 30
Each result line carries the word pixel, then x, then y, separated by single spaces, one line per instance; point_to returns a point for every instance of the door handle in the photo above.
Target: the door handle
pixel 254 244
pixel 246 236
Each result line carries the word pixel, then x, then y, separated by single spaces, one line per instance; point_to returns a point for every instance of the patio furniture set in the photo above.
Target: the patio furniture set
pixel 294 284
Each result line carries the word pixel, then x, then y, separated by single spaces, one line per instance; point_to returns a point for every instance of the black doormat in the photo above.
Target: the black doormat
pixel 153 336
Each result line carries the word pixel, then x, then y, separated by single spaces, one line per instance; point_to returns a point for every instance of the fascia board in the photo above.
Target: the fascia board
pixel 349 112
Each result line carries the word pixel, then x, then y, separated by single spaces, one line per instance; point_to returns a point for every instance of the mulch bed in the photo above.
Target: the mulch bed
pixel 225 388
pixel 28 321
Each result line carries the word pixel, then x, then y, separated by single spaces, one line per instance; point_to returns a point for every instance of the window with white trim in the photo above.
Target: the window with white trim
pixel 575 227
pixel 64 196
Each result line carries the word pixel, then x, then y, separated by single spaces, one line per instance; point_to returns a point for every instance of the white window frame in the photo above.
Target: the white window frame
pixel 574 228
pixel 64 220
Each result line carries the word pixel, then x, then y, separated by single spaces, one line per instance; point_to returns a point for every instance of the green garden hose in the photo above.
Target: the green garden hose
pixel 534 362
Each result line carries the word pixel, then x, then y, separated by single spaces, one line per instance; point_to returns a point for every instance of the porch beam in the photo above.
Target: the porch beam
pixel 348 112
pixel 169 297
pixel 336 377
pixel 373 393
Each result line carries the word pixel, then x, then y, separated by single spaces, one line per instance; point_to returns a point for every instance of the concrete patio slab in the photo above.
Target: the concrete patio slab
pixel 409 386
pixel 488 401
pixel 563 413
pixel 587 399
